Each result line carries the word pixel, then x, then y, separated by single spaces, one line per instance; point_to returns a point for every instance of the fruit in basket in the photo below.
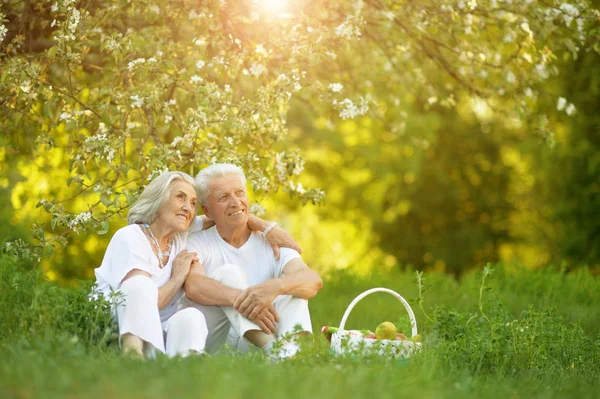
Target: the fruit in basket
pixel 371 336
pixel 328 332
pixel 416 338
pixel 385 330
pixel 400 337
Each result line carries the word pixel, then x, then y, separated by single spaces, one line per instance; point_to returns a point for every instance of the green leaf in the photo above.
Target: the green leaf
pixel 106 200
pixel 52 51
pixel 48 251
pixel 104 226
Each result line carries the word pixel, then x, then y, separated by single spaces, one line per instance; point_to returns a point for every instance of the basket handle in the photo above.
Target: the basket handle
pixel 411 315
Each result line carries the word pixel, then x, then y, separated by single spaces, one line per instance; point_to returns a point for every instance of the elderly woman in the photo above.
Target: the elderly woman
pixel 147 264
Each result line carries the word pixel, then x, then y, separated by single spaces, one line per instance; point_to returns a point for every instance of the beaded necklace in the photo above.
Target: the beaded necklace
pixel 154 241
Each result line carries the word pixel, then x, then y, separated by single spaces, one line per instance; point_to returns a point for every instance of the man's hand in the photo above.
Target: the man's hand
pixel 266 319
pixel 278 237
pixel 256 298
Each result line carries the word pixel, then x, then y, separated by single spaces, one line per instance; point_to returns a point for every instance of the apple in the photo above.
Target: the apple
pixel 371 336
pixel 416 338
pixel 400 337
pixel 385 330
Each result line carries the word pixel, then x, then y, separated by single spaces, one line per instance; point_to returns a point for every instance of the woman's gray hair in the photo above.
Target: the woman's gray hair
pixel 211 172
pixel 154 195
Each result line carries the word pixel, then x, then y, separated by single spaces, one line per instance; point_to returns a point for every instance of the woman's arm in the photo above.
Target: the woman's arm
pixel 181 269
pixel 276 236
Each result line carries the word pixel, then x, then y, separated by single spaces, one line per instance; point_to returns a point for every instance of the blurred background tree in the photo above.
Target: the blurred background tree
pixel 445 134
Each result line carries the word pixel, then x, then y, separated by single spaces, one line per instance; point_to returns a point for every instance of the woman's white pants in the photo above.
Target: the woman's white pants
pixel 173 330
pixel 225 324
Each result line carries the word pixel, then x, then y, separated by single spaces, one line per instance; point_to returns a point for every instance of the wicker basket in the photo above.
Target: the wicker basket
pixel 342 341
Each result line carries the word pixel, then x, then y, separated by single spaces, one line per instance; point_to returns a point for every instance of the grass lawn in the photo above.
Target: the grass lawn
pixel 532 334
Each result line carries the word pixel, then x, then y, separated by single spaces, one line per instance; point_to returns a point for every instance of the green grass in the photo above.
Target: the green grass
pixel 532 334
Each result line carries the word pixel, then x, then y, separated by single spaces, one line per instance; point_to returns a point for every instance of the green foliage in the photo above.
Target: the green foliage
pixel 404 109
pixel 35 307
pixel 52 343
pixel 537 342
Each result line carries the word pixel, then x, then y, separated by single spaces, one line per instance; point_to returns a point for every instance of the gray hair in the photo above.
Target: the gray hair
pixel 208 174
pixel 154 195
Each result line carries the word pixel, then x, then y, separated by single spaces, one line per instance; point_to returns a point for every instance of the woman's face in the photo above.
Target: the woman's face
pixel 179 210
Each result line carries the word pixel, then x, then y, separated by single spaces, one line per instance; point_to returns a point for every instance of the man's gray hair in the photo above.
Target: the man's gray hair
pixel 154 195
pixel 208 174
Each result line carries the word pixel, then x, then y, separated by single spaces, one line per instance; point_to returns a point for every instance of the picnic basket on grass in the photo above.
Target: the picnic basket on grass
pixel 343 341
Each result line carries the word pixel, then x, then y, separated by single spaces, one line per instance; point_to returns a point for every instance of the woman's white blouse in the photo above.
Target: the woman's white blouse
pixel 130 249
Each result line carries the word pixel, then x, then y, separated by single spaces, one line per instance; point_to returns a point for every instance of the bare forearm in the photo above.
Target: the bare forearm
pixel 207 291
pixel 167 292
pixel 256 224
pixel 304 284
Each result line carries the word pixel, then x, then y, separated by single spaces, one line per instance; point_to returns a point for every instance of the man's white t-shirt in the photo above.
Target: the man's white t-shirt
pixel 255 257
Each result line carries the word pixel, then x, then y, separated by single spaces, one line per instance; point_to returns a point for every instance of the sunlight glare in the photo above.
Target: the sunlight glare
pixel 274 6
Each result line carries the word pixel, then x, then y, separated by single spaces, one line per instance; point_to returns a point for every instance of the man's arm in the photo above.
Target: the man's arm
pixel 300 280
pixel 297 279
pixel 207 291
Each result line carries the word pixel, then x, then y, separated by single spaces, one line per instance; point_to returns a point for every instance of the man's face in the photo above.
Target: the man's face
pixel 227 202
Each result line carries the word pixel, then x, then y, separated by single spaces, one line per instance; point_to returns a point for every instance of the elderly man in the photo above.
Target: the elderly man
pixel 240 285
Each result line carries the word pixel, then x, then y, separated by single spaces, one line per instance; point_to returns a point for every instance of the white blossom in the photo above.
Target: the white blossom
pixel 388 14
pixel 348 29
pixel 3 30
pixel 528 92
pixel 73 20
pixel 156 172
pixel 257 69
pixel 135 63
pixel 65 116
pixel 200 64
pixel 79 219
pixel 257 209
pixel 297 187
pixel 562 102
pixel 335 87
pixel 569 12
pixel 25 86
pixel 176 141
pixel 260 49
pixel 351 110
pixel 542 70
pixel 570 109
pixel 527 29
pixel 510 77
pixel 138 101
pixel 196 79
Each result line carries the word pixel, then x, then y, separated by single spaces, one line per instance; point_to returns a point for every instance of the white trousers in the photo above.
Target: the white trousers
pixel 173 330
pixel 226 324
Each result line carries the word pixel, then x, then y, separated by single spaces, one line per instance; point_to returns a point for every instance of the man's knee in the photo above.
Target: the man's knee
pixel 231 275
pixel 139 287
pixel 283 301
